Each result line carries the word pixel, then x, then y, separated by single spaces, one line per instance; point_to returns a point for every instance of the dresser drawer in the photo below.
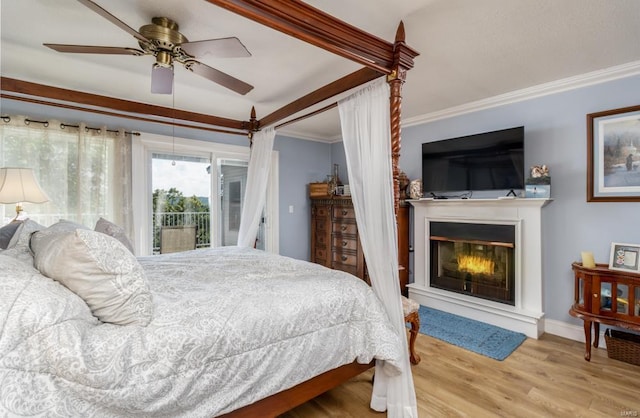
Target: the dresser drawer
pixel 322 225
pixel 345 243
pixel 322 211
pixel 344 228
pixel 321 240
pixel 345 259
pixel 344 212
pixel 321 254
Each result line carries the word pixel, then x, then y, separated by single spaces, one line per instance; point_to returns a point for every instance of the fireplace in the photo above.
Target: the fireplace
pixel 505 235
pixel 476 259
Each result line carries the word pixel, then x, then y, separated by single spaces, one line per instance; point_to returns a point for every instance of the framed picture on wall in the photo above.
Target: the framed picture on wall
pixel 613 155
pixel 625 257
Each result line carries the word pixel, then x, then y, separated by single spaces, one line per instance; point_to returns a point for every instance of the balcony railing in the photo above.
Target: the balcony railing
pixel 200 219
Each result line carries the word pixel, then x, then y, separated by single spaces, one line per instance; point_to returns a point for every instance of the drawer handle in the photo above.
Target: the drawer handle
pixel 595 295
pixel 344 258
pixel 345 213
pixel 344 243
pixel 344 227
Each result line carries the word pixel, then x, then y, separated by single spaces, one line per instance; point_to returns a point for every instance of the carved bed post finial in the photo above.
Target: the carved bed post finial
pixel 254 125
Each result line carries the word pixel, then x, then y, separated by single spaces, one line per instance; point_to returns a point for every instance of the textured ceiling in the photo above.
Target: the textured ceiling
pixel 470 50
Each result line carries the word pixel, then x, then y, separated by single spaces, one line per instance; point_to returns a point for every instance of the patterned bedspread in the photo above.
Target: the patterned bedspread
pixel 231 326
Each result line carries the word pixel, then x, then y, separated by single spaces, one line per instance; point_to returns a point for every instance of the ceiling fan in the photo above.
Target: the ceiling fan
pixel 162 40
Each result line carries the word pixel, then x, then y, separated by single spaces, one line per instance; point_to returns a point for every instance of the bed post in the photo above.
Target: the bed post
pixel 252 126
pixel 402 62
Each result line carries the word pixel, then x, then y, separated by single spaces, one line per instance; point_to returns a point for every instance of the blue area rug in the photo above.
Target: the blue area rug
pixel 488 340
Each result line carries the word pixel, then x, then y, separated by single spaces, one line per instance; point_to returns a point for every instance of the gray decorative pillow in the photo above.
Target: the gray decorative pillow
pixel 19 245
pixel 7 232
pixel 99 269
pixel 113 230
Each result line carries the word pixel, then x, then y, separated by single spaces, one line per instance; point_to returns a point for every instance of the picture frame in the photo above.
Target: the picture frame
pixel 613 155
pixel 625 257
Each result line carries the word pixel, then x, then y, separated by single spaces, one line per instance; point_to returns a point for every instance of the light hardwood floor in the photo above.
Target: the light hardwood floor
pixel 542 378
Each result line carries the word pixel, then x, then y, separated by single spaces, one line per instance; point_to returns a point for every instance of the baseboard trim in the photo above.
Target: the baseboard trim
pixel 569 331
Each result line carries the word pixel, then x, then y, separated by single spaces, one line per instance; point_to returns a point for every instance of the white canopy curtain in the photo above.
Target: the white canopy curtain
pixel 256 191
pixel 85 171
pixel 366 135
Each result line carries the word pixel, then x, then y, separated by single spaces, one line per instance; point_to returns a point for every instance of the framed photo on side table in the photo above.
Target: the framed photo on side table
pixel 613 155
pixel 625 257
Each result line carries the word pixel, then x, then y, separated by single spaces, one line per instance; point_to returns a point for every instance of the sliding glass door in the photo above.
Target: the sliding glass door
pixel 187 184
pixel 233 182
pixel 181 186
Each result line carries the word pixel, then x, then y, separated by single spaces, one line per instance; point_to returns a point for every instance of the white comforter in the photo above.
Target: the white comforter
pixel 230 326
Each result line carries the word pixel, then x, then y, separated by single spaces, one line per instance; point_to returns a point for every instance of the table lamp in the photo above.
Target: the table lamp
pixel 19 185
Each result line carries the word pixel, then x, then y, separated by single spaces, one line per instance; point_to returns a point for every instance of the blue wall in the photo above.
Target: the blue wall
pixel 555 135
pixel 301 163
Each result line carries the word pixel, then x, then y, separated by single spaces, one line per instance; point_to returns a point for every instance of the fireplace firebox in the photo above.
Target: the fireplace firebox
pixel 476 259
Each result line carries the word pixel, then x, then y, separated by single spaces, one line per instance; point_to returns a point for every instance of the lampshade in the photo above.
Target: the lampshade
pixel 20 185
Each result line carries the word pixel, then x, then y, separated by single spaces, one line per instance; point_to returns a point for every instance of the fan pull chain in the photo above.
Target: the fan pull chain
pixel 173 122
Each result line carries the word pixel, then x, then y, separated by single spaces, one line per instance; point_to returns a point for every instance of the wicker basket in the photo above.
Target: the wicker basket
pixel 623 346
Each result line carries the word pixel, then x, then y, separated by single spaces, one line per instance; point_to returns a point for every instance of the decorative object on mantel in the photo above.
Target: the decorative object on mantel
pixel 625 257
pixel 613 155
pixel 539 183
pixel 415 189
pixel 403 184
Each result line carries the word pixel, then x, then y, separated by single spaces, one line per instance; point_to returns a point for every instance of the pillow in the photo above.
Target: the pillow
pixel 19 245
pixel 57 228
pixel 99 269
pixel 7 232
pixel 113 230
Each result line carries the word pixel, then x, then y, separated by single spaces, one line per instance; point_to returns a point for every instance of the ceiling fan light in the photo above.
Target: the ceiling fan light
pixel 164 59
pixel 161 79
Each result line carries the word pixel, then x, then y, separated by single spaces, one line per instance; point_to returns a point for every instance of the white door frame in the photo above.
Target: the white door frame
pixel 146 144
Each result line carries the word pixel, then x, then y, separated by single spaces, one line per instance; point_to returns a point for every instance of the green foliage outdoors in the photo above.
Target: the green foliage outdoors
pixel 167 203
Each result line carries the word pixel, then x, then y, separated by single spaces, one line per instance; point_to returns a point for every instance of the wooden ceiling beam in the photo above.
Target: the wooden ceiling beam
pixel 341 85
pixel 88 99
pixel 304 22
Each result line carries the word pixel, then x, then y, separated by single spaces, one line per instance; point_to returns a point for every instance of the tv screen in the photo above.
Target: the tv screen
pixel 484 161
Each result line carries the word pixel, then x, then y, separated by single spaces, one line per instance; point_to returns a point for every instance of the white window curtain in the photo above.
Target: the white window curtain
pixel 85 171
pixel 366 135
pixel 256 190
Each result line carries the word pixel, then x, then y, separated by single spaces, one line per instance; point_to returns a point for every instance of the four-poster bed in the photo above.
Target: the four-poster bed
pixel 295 18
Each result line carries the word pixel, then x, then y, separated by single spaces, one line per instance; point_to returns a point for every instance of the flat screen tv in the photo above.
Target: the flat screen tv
pixel 485 161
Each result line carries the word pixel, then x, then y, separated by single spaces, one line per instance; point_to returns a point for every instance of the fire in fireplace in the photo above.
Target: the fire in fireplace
pixel 474 259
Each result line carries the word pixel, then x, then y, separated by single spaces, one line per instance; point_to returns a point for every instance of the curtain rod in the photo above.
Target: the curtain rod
pixel 118 115
pixel 308 115
pixel 45 123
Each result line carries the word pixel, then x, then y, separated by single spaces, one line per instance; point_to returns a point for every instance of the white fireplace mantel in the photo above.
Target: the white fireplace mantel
pixel 525 214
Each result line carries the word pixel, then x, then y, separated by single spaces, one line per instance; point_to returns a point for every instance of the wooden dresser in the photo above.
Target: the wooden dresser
pixel 335 242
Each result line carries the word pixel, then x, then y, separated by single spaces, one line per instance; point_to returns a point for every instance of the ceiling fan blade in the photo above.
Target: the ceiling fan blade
pixel 219 77
pixel 111 18
pixel 88 49
pixel 161 79
pixel 220 48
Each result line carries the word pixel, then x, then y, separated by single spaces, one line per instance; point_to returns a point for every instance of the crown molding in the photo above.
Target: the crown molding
pixel 305 136
pixel 553 87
